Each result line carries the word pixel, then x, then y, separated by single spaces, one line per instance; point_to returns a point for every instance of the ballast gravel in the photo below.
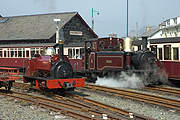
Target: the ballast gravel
pixel 12 109
pixel 153 111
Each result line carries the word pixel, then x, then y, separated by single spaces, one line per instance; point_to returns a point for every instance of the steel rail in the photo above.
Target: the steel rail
pixel 167 90
pixel 170 103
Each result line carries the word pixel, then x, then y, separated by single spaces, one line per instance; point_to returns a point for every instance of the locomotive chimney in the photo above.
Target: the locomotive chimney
pixel 59 39
pixel 144 43
pixel 61 50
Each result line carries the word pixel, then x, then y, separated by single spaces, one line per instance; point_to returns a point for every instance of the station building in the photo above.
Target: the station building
pixel 23 36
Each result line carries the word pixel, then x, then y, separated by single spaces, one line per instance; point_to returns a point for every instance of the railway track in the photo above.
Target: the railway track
pixel 152 99
pixel 81 100
pixel 166 90
pixel 78 107
pixel 70 110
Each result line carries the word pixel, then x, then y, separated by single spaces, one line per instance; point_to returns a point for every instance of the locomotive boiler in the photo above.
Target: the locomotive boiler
pixel 111 56
pixel 52 71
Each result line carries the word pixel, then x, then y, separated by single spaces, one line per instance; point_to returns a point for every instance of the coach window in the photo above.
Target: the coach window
pixel 15 52
pixel 41 51
pixel 37 50
pixel 154 49
pixel 0 52
pixel 32 52
pixel 74 53
pixel 160 53
pixel 11 52
pixel 176 53
pixel 27 53
pixel 77 53
pixel 5 54
pixel 81 52
pixel 19 52
pixel 69 53
pixel 8 54
pixel 167 52
pixel 23 52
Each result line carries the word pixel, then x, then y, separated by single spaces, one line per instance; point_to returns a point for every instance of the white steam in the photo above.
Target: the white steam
pixel 123 81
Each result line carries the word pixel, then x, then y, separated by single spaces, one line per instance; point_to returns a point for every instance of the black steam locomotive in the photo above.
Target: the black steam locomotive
pixel 111 56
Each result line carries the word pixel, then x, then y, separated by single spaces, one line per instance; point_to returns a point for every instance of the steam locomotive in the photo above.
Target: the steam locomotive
pixel 52 71
pixel 110 56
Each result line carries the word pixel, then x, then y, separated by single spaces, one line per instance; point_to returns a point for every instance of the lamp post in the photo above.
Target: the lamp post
pixel 93 17
pixel 127 20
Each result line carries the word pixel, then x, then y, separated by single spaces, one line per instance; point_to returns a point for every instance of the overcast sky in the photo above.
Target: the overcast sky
pixel 112 18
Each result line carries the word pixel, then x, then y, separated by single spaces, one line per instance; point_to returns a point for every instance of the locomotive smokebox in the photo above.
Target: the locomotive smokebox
pixel 128 45
pixel 144 43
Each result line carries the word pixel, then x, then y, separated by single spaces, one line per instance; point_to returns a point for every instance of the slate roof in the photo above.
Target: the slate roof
pixel 32 26
pixel 159 40
pixel 166 40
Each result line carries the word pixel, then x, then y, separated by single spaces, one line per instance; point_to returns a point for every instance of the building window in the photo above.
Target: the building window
pixel 175 53
pixel 175 21
pixel 160 53
pixel 167 52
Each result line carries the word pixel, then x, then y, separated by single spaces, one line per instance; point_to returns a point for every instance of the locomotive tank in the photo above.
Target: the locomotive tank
pixel 49 66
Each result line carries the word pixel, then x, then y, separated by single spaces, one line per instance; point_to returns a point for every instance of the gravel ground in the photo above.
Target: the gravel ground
pixel 152 111
pixel 11 109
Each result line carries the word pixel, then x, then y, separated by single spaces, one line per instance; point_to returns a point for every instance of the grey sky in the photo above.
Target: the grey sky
pixel 112 18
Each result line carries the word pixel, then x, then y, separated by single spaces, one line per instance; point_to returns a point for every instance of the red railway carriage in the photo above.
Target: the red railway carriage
pixel 8 76
pixel 18 55
pixel 168 52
